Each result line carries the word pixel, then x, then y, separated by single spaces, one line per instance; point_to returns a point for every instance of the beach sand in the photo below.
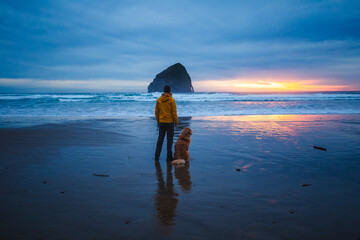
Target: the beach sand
pixel 244 179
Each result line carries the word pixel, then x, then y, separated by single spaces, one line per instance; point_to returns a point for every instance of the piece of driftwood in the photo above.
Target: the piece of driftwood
pixel 320 148
pixel 306 185
pixel 100 175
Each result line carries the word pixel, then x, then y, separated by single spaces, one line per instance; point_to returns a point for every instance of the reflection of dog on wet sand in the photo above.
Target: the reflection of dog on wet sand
pixel 182 147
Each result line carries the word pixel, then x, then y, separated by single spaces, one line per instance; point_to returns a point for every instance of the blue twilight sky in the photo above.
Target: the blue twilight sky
pixel 51 46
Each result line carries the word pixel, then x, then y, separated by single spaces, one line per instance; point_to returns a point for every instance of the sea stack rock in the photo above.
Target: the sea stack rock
pixel 176 76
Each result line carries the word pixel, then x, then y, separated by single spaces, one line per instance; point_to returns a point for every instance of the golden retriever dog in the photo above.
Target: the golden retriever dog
pixel 182 147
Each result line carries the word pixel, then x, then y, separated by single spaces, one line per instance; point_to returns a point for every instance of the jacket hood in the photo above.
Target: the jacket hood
pixel 166 97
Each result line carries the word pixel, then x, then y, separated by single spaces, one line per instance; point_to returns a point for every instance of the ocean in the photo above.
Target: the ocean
pixel 188 104
pixel 253 174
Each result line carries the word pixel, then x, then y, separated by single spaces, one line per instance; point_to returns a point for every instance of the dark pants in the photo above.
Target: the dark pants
pixel 169 129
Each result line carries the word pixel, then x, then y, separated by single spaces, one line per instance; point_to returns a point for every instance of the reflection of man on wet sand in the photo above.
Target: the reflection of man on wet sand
pixel 165 201
pixel 166 198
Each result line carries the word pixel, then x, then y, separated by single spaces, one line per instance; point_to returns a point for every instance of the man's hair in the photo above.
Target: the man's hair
pixel 167 89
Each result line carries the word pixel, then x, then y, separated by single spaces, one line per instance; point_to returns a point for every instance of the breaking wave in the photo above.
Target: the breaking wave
pixel 189 104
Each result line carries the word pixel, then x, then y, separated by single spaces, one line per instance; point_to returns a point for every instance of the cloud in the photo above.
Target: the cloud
pixel 135 40
pixel 89 85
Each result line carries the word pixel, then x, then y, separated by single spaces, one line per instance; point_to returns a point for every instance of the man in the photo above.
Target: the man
pixel 166 116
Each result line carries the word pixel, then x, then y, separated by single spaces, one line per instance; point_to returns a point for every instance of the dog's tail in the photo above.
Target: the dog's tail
pixel 178 161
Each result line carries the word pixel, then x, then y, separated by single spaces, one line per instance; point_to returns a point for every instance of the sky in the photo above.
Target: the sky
pixel 231 46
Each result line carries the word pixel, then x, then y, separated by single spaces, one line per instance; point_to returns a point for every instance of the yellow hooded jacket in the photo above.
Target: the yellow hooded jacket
pixel 165 109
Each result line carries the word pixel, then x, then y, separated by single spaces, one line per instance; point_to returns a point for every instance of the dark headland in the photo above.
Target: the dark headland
pixel 176 76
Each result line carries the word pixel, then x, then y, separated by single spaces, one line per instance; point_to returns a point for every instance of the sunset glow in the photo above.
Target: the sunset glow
pixel 260 84
pixel 268 86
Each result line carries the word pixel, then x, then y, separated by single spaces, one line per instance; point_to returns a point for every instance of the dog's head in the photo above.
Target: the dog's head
pixel 186 132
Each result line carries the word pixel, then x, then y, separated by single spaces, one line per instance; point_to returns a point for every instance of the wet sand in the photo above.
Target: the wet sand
pixel 245 179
